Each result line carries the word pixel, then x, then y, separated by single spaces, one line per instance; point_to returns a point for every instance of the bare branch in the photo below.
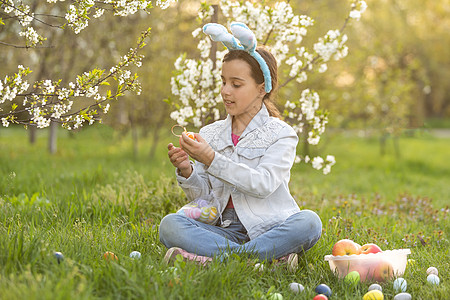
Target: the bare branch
pixel 26 47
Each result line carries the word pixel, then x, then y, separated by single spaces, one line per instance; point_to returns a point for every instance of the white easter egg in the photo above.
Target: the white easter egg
pixel 400 284
pixel 296 287
pixel 433 279
pixel 375 286
pixel 403 296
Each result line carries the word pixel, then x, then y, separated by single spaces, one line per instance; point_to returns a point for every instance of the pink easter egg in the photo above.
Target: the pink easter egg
pixel 193 212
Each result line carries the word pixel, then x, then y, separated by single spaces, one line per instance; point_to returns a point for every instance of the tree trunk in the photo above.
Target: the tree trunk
pixel 134 138
pixel 383 139
pixel 157 131
pixel 52 138
pixel 32 135
pixel 396 147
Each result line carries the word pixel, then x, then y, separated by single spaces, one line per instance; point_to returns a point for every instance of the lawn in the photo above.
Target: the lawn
pixel 94 196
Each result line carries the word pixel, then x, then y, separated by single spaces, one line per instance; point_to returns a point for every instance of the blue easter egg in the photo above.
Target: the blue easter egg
pixel 135 254
pixel 59 256
pixel 323 289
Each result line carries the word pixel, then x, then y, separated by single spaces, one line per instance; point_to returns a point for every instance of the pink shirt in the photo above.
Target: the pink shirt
pixel 235 139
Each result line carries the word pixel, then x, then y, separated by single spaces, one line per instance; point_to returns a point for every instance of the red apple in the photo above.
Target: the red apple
pixel 383 271
pixel 345 247
pixel 370 248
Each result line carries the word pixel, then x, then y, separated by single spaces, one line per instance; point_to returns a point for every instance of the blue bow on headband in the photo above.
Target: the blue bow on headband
pixel 242 38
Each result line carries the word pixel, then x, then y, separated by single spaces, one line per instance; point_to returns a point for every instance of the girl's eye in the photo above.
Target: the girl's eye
pixel 236 85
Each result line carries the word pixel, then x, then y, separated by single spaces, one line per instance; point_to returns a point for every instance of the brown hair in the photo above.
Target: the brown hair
pixel 257 74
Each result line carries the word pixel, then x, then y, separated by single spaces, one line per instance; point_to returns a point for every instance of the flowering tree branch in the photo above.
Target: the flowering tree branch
pixel 49 100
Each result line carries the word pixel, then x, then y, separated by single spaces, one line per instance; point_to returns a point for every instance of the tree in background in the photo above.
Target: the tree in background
pixel 196 85
pixel 395 78
pixel 84 98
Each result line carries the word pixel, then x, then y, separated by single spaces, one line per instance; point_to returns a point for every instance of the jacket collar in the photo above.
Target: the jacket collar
pixel 258 120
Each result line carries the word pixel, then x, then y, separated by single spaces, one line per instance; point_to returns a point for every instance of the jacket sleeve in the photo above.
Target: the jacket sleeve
pixel 197 185
pixel 273 168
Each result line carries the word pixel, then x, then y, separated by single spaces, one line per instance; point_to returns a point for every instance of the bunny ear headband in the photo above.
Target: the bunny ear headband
pixel 242 38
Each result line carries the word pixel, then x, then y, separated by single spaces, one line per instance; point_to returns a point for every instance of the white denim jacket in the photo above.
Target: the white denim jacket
pixel 255 172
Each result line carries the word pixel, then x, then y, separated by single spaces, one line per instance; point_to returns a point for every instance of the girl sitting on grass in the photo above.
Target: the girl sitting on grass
pixel 245 161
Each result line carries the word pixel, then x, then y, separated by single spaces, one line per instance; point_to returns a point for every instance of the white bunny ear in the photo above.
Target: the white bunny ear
pixel 242 39
pixel 244 35
pixel 219 33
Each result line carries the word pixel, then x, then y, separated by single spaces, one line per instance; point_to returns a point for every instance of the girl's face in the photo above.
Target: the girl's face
pixel 240 93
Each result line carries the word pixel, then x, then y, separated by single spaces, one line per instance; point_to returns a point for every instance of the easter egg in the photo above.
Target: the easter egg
pixel 212 214
pixel 373 295
pixel 433 279
pixel 320 297
pixel 205 211
pixel 323 289
pixel 352 278
pixel 110 256
pixel 193 212
pixel 202 202
pixel 400 284
pixel 190 135
pixel 375 286
pixel 296 287
pixel 276 296
pixel 403 296
pixel 432 270
pixel 135 254
pixel 59 256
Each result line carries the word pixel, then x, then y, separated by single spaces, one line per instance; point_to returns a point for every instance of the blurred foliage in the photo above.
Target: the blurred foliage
pixel 394 76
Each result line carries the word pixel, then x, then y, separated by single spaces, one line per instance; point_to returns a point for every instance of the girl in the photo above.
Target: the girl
pixel 246 161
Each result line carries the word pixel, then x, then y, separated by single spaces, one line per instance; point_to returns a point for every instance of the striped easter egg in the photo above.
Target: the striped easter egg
pixel 202 203
pixel 205 214
pixel 212 215
pixel 193 212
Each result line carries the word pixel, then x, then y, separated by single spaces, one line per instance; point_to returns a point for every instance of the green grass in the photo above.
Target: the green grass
pixel 93 196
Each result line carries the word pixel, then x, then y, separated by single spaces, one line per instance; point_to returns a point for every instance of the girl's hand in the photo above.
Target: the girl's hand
pixel 198 149
pixel 180 160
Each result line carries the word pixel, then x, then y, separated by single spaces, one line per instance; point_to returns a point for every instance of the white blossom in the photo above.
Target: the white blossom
pixel 31 35
pixel 99 12
pixel 322 68
pixel 5 122
pixel 317 162
pixel 106 108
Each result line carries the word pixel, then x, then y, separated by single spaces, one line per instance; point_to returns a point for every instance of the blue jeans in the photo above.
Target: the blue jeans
pixel 296 234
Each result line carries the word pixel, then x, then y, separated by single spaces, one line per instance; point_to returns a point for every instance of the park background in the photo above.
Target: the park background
pixel 106 186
